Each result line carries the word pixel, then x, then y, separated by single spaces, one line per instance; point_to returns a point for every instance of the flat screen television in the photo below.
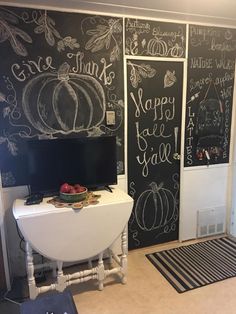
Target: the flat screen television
pixel 89 161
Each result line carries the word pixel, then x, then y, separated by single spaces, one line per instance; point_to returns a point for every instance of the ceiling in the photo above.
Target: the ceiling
pixel 221 12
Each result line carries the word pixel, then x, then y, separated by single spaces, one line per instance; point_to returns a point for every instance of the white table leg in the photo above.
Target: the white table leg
pixel 110 260
pixel 61 279
pixel 90 264
pixel 54 269
pixel 101 273
pixel 33 290
pixel 124 262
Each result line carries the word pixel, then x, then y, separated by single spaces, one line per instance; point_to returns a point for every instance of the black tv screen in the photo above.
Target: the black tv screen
pixel 89 161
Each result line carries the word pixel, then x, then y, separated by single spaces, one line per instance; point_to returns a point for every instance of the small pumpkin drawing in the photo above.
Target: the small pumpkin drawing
pixel 176 51
pixel 63 101
pixel 155 207
pixel 157 47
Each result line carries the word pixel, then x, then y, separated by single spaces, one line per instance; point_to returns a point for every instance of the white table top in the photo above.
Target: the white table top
pixel 68 235
pixel 20 210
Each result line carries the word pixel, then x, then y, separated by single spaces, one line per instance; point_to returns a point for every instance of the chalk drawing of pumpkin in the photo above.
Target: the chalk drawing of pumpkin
pixel 157 47
pixel 176 51
pixel 63 101
pixel 155 207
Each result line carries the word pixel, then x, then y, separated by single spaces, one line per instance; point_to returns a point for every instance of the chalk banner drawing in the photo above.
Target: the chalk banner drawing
pixel 154 38
pixel 61 73
pixel 154 92
pixel 211 70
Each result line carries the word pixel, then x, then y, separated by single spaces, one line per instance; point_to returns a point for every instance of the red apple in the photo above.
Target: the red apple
pixel 81 189
pixel 65 188
pixel 72 190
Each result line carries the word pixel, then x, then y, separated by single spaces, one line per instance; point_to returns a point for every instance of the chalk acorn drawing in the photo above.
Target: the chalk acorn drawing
pixel 63 101
pixel 155 207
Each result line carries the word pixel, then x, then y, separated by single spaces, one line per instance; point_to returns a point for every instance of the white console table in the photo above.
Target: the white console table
pixel 67 235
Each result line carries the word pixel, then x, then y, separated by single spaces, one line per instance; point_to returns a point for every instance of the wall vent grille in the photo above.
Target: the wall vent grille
pixel 211 221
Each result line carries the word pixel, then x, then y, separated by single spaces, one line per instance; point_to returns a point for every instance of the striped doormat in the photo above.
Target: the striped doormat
pixel 197 265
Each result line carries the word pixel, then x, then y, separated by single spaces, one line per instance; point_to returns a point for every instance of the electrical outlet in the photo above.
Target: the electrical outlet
pixel 110 118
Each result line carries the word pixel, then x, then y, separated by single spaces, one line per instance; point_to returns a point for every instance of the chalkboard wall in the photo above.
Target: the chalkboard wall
pixel 59 74
pixel 211 65
pixel 154 90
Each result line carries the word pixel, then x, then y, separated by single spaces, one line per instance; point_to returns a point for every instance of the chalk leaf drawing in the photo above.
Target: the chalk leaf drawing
pixel 46 26
pixel 95 131
pixel 6 111
pixel 155 207
pixel 12 33
pixel 2 139
pixel 103 35
pixel 68 41
pixel 2 97
pixel 8 178
pixel 10 145
pixel 140 71
pixel 169 79
pixel 63 101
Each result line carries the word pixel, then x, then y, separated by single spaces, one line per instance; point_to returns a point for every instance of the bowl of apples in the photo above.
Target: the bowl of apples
pixel 73 193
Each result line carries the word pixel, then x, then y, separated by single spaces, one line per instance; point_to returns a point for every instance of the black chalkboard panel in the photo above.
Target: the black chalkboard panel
pixel 60 73
pixel 154 93
pixel 211 65
pixel 154 38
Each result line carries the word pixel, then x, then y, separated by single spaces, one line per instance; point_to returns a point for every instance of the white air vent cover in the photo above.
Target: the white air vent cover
pixel 211 221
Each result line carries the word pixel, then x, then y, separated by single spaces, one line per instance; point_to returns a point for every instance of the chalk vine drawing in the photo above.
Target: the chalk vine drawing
pixel 132 44
pixel 155 210
pixel 140 71
pixel 13 114
pixel 133 230
pixel 44 25
pixel 103 35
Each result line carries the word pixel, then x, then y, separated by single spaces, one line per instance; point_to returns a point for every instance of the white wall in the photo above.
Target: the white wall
pixel 232 177
pixel 201 187
pixel 15 255
pixel 201 11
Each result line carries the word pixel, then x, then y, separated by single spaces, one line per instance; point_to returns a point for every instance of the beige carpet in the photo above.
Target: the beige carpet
pixel 148 292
